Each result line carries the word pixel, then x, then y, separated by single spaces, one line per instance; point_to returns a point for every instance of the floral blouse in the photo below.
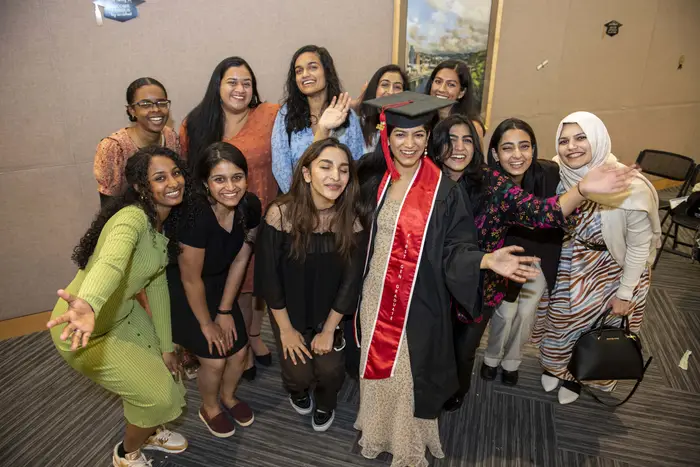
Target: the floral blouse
pixel 505 204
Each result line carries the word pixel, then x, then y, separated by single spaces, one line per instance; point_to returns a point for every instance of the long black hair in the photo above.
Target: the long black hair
pixel 205 123
pixel 535 178
pixel 441 148
pixel 467 104
pixel 138 193
pixel 135 86
pixel 298 113
pixel 210 158
pixel 369 116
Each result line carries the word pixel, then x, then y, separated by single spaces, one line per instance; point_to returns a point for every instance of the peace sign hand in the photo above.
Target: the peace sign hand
pixel 80 318
pixel 336 113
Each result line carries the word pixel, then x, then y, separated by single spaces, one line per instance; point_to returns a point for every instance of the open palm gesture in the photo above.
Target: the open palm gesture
pixel 80 318
pixel 516 268
pixel 336 113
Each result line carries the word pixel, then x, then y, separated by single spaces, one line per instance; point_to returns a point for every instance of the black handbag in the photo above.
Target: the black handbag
pixel 608 353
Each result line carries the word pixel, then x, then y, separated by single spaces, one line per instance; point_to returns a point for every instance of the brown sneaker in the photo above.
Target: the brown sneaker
pixel 219 426
pixel 241 413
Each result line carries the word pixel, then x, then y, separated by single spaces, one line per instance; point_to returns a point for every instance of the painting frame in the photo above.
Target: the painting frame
pixel 398 54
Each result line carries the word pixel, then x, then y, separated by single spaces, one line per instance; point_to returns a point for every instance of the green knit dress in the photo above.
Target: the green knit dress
pixel 124 354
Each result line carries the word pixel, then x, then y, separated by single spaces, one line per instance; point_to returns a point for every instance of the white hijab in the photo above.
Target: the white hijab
pixel 641 195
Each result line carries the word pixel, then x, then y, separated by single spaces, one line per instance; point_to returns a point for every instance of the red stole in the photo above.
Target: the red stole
pixel 401 269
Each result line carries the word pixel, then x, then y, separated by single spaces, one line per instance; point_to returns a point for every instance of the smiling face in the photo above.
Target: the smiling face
pixel 150 107
pixel 227 183
pixel 408 145
pixel 167 182
pixel 327 176
pixel 446 85
pixel 310 76
pixel 573 146
pixel 462 142
pixel 236 89
pixel 390 83
pixel 515 152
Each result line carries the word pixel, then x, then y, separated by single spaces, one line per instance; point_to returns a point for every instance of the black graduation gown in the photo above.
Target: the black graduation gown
pixel 449 268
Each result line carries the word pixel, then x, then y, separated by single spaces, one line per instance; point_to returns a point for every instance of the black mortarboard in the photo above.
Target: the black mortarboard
pixel 409 109
pixel 404 110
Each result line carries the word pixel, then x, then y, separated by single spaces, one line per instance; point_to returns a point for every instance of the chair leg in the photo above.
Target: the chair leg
pixel 663 244
pixel 675 237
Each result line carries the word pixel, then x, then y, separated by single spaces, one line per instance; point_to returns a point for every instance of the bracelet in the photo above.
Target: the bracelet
pixel 579 190
pixel 223 312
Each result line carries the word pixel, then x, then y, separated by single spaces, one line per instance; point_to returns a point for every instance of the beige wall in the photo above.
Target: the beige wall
pixel 630 80
pixel 62 83
pixel 62 86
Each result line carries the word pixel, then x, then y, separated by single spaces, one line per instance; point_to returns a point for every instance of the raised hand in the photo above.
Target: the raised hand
pixel 336 113
pixel 357 102
pixel 505 263
pixel 80 318
pixel 607 179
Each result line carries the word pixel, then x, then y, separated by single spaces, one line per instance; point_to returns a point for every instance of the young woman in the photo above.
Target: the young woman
pixel 423 252
pixel 452 79
pixel 513 151
pixel 386 81
pixel 497 204
pixel 605 258
pixel 204 284
pixel 232 111
pixel 311 84
pixel 98 325
pixel 309 268
pixel 148 107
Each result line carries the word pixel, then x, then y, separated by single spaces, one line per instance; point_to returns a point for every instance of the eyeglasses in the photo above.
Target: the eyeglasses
pixel 145 104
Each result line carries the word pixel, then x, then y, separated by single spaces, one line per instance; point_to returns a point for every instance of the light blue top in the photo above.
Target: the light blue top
pixel 286 153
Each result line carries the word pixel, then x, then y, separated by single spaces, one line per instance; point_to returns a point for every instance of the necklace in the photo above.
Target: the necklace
pixel 139 144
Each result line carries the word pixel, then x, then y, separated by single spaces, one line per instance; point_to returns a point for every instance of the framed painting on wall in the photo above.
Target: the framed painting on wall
pixel 427 32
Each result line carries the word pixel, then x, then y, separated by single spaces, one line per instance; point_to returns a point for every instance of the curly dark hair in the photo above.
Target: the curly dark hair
pixel 137 176
pixel 369 116
pixel 205 123
pixel 302 212
pixel 298 113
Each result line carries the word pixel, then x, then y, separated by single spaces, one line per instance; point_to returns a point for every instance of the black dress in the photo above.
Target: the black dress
pixel 221 248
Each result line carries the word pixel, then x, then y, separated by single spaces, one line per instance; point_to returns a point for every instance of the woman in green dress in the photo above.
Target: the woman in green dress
pixel 98 325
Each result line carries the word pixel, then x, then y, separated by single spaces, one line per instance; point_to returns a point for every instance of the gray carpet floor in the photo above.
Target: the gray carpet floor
pixel 50 415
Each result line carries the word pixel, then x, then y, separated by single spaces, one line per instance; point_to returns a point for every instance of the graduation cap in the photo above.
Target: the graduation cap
pixel 404 110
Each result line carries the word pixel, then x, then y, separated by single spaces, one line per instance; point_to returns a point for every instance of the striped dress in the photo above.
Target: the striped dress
pixel 124 354
pixel 586 282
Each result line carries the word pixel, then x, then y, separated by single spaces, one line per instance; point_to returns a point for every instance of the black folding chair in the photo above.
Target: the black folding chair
pixel 670 166
pixel 681 219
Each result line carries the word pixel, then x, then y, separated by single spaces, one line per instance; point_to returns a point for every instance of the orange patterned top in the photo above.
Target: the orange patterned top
pixel 111 156
pixel 254 142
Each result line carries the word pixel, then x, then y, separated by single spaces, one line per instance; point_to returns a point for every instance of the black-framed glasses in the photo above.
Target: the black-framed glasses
pixel 163 104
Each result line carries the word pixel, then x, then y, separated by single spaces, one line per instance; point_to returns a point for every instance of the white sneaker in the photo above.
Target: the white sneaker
pixel 166 441
pixel 131 459
pixel 567 396
pixel 549 383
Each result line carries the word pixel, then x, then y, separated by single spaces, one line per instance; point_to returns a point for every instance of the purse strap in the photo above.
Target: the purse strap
pixel 624 323
pixel 629 396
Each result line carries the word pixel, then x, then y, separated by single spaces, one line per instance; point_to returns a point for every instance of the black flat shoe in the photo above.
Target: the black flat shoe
pixel 509 378
pixel 488 372
pixel 250 373
pixel 264 360
pixel 453 404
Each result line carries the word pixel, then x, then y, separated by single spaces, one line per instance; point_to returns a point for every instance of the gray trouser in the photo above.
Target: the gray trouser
pixel 511 326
